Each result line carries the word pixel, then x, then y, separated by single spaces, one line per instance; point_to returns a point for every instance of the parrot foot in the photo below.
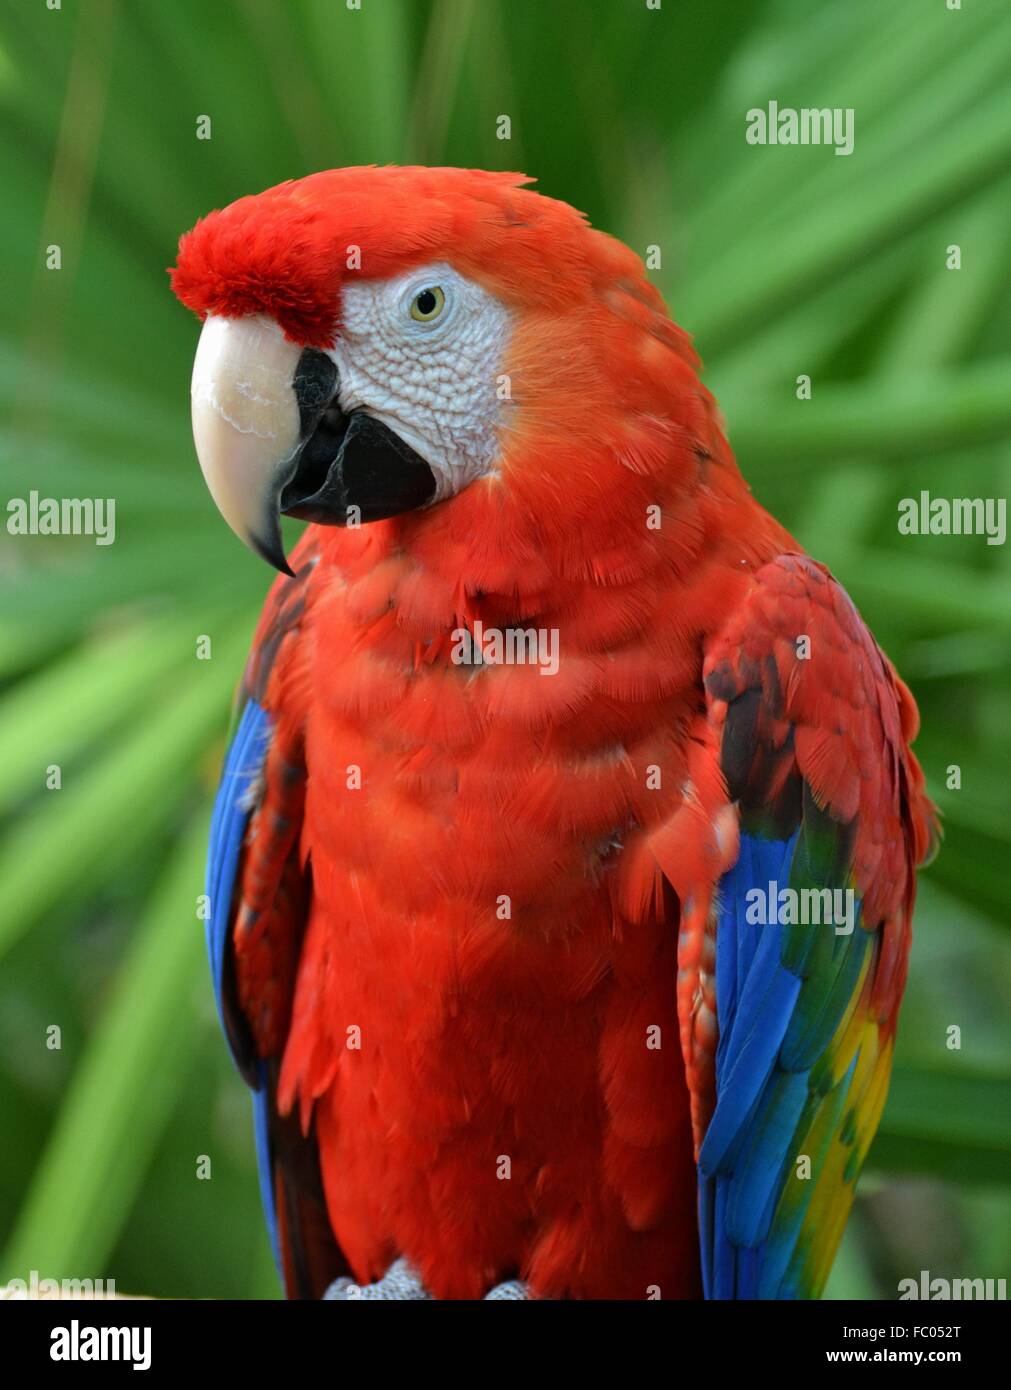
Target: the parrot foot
pixel 511 1289
pixel 400 1283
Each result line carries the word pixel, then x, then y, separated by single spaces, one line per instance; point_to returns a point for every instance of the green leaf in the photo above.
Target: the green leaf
pixel 926 411
pixel 122 1090
pixel 78 835
pixel 951 1121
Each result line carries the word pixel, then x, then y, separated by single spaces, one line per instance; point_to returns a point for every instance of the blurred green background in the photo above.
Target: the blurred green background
pixel 780 261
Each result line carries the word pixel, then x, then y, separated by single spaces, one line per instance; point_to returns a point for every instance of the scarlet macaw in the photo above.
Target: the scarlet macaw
pixel 487 930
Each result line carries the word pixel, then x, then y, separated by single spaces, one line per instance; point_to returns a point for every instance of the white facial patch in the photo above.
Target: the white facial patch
pixel 432 380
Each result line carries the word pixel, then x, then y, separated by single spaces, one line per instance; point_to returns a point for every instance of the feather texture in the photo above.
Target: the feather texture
pixel 488 941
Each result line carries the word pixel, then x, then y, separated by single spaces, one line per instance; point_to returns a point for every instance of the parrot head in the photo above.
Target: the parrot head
pixel 377 340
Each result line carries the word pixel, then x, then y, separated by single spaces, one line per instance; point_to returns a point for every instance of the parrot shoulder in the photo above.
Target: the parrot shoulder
pixel 792 858
pixel 811 924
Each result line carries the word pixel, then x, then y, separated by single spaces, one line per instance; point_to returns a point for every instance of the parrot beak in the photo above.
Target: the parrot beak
pixel 272 440
pixel 246 425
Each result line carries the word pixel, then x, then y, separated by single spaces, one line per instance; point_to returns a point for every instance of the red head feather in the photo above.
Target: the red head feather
pixel 286 252
pixel 605 401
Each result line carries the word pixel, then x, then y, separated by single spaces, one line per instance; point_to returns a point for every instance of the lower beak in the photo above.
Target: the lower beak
pixel 272 440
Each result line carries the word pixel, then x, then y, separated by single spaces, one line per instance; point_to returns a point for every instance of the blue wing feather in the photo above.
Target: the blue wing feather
pixel 243 765
pixel 232 809
pixel 773 1041
pixel 752 1026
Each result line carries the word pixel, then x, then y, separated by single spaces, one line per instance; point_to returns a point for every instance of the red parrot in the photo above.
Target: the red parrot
pixel 563 863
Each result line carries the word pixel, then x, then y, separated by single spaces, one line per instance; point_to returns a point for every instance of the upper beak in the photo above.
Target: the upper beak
pixel 246 425
pixel 271 439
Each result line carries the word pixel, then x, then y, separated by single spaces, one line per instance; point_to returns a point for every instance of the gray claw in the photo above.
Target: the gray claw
pixel 399 1283
pixel 512 1289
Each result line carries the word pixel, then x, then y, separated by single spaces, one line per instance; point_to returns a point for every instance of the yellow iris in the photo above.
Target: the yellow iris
pixel 428 304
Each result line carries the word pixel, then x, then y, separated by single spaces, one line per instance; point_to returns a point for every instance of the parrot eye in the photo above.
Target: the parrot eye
pixel 428 304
